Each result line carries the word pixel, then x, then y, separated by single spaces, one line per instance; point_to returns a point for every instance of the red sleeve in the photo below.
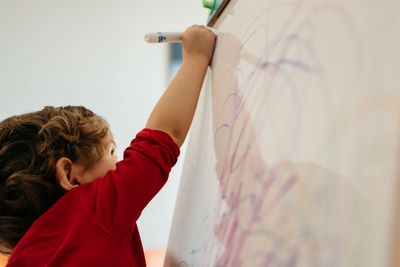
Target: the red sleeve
pixel 116 201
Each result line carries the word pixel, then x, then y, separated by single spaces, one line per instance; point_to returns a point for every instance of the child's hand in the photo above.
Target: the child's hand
pixel 198 44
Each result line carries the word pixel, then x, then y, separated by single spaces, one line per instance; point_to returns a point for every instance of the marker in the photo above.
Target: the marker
pixel 166 37
pixel 163 37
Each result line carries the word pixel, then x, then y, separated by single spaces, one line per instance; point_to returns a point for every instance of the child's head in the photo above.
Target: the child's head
pixel 44 154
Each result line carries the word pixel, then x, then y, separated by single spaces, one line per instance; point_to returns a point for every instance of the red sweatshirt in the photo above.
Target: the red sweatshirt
pixel 95 223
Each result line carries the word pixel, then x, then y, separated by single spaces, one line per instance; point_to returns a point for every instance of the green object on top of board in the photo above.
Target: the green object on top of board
pixel 213 5
pixel 209 4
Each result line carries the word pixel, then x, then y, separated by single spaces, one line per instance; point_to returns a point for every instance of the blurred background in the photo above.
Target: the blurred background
pixel 93 53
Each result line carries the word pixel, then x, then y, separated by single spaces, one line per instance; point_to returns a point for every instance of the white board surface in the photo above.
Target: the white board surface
pixel 293 154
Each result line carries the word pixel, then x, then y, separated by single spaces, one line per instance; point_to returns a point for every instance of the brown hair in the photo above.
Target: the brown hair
pixel 30 146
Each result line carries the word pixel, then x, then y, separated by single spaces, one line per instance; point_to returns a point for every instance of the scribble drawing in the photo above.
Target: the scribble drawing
pixel 255 193
pixel 304 139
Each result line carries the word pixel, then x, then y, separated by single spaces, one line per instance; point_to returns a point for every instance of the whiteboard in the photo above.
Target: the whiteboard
pixel 293 153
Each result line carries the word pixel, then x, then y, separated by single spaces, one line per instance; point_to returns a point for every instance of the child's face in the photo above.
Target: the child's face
pixel 108 162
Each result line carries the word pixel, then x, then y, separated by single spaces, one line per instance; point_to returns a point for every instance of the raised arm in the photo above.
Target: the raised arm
pixel 174 111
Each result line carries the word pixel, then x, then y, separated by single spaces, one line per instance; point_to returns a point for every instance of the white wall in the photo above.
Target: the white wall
pixel 92 53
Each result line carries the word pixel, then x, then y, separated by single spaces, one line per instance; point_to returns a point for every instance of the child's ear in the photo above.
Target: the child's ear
pixel 63 174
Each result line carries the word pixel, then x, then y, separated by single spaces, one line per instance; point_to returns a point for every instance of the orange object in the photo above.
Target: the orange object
pixel 155 257
pixel 3 260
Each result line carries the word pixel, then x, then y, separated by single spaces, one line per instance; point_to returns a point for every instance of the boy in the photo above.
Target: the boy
pixel 54 211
